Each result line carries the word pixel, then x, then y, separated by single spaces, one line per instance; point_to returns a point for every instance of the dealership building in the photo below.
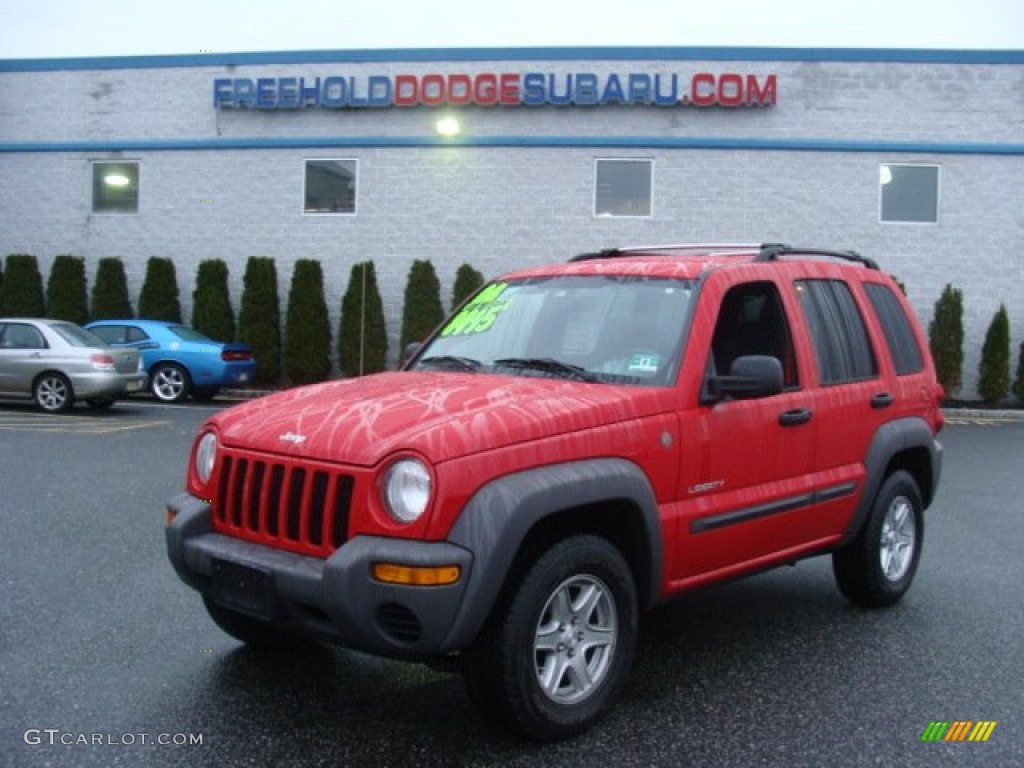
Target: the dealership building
pixel 504 158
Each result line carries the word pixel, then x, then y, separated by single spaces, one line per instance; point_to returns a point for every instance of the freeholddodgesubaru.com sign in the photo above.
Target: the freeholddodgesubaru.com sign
pixel 702 89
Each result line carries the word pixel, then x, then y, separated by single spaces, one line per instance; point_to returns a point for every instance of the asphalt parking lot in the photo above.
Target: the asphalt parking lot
pixel 107 659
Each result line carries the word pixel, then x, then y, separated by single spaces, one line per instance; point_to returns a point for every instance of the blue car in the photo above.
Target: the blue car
pixel 180 360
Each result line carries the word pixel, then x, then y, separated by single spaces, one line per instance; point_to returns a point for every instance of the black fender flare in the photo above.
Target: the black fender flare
pixel 891 439
pixel 499 516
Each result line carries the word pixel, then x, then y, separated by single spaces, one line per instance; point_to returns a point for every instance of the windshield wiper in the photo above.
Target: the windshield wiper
pixel 547 365
pixel 451 361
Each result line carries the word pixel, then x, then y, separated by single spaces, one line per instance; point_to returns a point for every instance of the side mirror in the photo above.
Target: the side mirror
pixel 750 376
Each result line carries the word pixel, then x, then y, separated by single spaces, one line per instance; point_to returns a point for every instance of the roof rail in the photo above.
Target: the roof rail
pixel 765 251
pixel 772 251
pixel 609 253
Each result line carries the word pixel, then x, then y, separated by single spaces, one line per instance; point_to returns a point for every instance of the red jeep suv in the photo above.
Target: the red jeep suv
pixel 576 444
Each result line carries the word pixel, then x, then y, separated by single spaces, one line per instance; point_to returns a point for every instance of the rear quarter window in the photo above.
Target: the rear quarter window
pixel 842 348
pixel 896 326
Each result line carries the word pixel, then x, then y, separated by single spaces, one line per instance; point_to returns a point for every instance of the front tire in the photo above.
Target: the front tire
pixel 557 649
pixel 53 393
pixel 879 566
pixel 170 383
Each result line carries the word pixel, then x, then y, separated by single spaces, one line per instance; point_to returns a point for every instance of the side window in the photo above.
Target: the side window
pixel 842 348
pixel 899 333
pixel 112 334
pixel 133 334
pixel 752 321
pixel 19 336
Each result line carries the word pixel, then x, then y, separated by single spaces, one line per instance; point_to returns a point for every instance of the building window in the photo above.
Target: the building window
pixel 330 186
pixel 909 193
pixel 623 187
pixel 115 187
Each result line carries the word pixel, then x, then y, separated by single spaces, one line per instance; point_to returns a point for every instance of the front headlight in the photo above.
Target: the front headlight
pixel 206 457
pixel 407 490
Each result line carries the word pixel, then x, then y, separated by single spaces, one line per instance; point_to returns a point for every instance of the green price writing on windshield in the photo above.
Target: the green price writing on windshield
pixel 480 313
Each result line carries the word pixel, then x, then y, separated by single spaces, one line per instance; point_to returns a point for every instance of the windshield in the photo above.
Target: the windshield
pixel 602 328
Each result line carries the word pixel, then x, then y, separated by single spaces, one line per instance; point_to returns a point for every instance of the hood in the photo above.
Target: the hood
pixel 441 415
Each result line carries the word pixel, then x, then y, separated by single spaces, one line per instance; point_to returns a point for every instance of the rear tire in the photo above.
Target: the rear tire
pixel 52 393
pixel 879 566
pixel 253 632
pixel 557 649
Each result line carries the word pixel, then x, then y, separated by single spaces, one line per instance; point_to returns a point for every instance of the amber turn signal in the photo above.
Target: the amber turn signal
pixel 416 576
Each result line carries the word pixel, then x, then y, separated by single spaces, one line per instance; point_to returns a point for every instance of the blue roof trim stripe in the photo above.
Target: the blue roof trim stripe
pixel 654 53
pixel 609 142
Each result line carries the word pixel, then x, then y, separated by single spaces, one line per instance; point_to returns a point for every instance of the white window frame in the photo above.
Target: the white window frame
pixel 883 167
pixel 593 206
pixel 355 180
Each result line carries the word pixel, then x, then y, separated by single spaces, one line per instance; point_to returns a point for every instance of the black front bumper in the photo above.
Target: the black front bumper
pixel 334 600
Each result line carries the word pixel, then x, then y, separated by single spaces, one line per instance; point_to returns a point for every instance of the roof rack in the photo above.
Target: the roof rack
pixel 771 252
pixel 608 253
pixel 765 251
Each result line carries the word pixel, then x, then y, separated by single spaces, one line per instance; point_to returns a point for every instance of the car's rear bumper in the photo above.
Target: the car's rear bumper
pixel 231 374
pixel 95 384
pixel 238 374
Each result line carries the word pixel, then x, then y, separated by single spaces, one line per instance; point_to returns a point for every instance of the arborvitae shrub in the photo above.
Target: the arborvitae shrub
pixel 994 369
pixel 362 334
pixel 946 339
pixel 307 335
pixel 21 293
pixel 159 297
pixel 211 302
pixel 467 281
pixel 66 294
pixel 1019 381
pixel 110 292
pixel 422 311
pixel 259 320
pixel 1018 385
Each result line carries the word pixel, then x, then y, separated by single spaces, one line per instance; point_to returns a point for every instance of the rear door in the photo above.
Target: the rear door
pixel 23 352
pixel 852 396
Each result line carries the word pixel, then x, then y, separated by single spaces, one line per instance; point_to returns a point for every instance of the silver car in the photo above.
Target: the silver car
pixel 57 362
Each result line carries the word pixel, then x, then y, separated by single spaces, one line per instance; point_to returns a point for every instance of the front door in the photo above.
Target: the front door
pixel 746 463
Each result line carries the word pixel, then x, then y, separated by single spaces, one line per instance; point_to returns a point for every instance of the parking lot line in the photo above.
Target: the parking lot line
pixel 980 421
pixel 39 422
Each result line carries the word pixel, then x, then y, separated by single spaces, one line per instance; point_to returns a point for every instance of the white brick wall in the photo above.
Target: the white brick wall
pixel 504 207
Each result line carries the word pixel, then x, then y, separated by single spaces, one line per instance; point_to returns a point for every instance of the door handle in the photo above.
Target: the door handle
pixel 882 400
pixel 795 417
